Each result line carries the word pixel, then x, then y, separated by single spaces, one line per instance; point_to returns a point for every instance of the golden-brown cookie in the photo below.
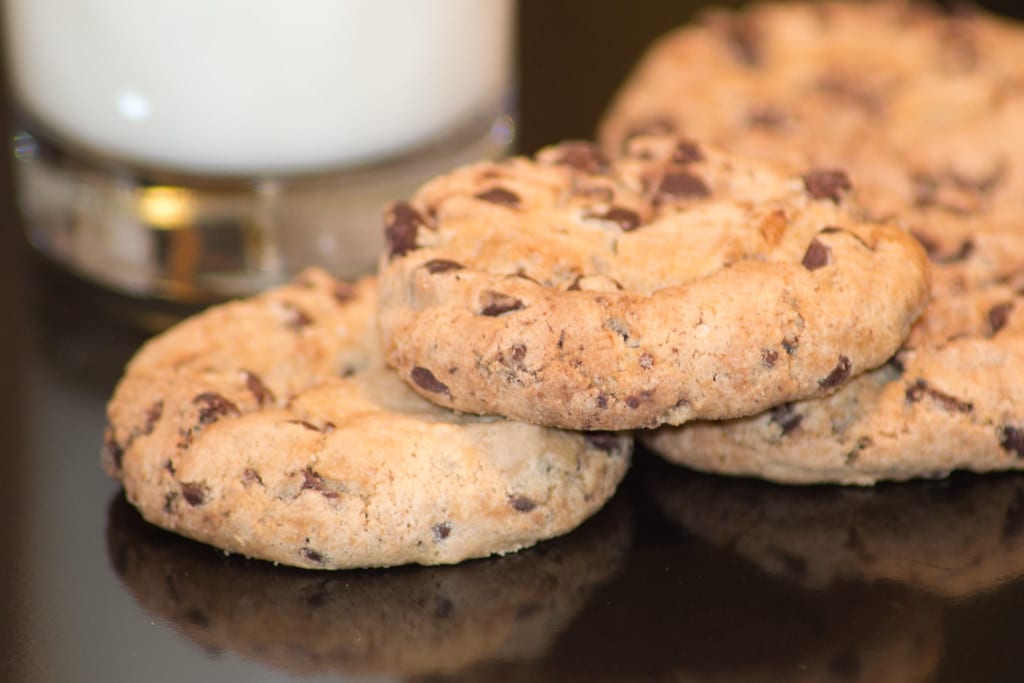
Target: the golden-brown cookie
pixel 676 282
pixel 921 107
pixel 270 427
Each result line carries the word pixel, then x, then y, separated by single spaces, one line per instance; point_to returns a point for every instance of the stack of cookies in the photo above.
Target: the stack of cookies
pixel 790 255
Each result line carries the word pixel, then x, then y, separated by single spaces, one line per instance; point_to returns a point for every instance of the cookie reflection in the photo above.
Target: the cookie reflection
pixel 955 537
pixel 404 621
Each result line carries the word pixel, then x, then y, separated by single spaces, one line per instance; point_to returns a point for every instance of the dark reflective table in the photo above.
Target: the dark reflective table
pixel 683 577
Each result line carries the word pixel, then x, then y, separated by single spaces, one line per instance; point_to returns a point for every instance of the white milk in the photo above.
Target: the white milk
pixel 248 87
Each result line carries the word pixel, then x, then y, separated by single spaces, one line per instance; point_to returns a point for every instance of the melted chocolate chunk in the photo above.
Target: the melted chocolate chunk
pixel 583 156
pixel 605 441
pixel 401 225
pixel 786 417
pixel 687 152
pixel 625 218
pixel 768 357
pixel 213 406
pixel 838 374
pixel 441 531
pixel 1011 439
pixel 826 183
pixel 817 255
pixel 425 380
pixel 441 265
pixel 680 184
pixel 501 197
pixel 521 503
pixel 500 304
pixel 258 389
pixel 194 493
pixel 919 389
pixel 999 315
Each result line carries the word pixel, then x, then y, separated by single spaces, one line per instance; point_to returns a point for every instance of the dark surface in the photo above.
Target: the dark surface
pixel 88 592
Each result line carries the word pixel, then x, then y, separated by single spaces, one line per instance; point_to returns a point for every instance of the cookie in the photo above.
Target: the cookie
pixel 675 282
pixel 954 538
pixel 951 400
pixel 407 622
pixel 920 107
pixel 270 427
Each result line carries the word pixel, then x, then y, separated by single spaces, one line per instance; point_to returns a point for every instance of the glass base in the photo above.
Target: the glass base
pixel 199 240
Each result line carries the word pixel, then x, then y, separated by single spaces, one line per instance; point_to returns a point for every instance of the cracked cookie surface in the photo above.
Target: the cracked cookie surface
pixel 921 107
pixel 271 427
pixel 673 283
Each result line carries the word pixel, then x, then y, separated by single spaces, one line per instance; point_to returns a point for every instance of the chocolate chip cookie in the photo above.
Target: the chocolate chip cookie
pixel 270 427
pixel 672 283
pixel 951 399
pixel 922 108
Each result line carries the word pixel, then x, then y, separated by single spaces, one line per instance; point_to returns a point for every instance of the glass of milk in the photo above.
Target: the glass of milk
pixel 198 149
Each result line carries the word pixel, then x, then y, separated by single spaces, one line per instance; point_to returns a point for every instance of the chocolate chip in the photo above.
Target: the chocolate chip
pixel 343 292
pixel 401 225
pixel 583 156
pixel 496 303
pixel 425 380
pixel 817 255
pixel 826 183
pixel 297 318
pixel 307 425
pixel 768 117
pixel 625 218
pixel 153 414
pixel 251 476
pixel 919 389
pixel 113 452
pixel 194 493
pixel 687 152
pixel 1012 439
pixel 768 357
pixel 680 184
pixel 441 531
pixel 602 401
pixel 441 265
pixel 605 441
pixel 258 389
pixel 213 406
pixel 786 417
pixel 314 481
pixel 313 555
pixel 791 344
pixel 838 374
pixel 500 196
pixel 170 502
pixel 521 503
pixel 999 315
